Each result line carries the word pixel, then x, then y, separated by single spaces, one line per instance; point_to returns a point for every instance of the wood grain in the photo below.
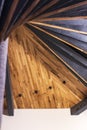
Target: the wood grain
pixel 39 79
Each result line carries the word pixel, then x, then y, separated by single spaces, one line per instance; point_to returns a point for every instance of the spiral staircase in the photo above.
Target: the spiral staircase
pixel 60 24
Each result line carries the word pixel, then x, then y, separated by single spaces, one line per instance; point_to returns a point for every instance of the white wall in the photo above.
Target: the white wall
pixel 52 119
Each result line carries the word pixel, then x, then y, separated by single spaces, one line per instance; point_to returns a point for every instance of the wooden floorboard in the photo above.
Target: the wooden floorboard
pixel 39 79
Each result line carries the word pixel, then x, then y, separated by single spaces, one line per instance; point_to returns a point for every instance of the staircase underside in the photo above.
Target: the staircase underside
pixel 60 27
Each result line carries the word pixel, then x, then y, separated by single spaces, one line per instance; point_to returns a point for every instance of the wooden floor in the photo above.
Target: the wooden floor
pixel 39 79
